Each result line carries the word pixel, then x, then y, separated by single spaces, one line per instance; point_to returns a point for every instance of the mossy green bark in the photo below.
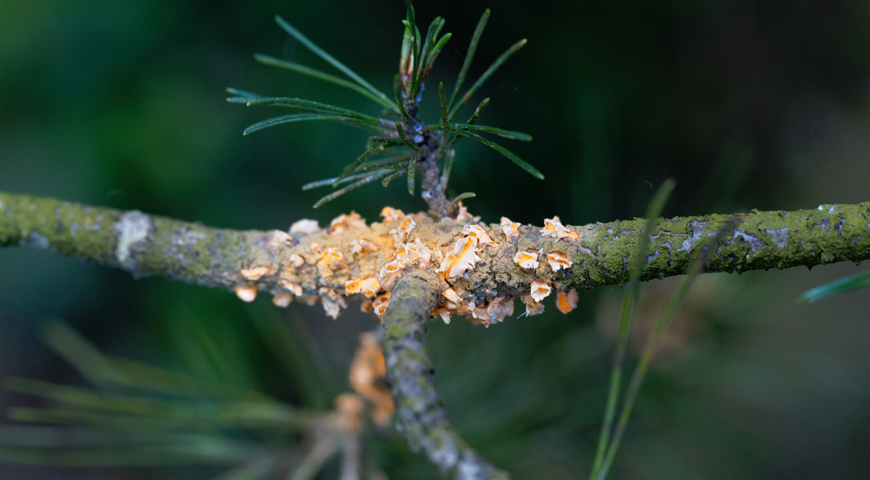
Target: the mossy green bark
pixel 420 413
pixel 141 244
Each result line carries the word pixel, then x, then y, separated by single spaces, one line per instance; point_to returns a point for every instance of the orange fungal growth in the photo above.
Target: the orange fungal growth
pixel 246 293
pixel 532 307
pixel 332 255
pixel 296 260
pixel 368 287
pixel 558 260
pixel 451 295
pixel 442 312
pixel 389 273
pixel 463 258
pixel 305 227
pixel 255 273
pixel 293 287
pixel 479 234
pixel 360 245
pixel 499 309
pixel 332 302
pixel 282 300
pixel 390 213
pixel 540 290
pixel 345 222
pixel 464 216
pixel 566 302
pixel 366 306
pixel 509 228
pixel 280 238
pixel 553 228
pixel 367 374
pixel 380 304
pixel 527 259
pixel 401 234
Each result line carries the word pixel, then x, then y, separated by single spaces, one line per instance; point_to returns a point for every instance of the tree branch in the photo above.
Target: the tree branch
pixel 601 253
pixel 420 412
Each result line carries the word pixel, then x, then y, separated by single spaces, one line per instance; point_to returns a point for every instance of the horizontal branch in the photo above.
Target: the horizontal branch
pixel 600 253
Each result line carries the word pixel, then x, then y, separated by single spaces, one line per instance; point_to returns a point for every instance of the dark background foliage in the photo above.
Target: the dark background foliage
pixel 747 104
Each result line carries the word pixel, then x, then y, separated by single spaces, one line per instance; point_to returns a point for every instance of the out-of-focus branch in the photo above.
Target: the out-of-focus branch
pixel 420 413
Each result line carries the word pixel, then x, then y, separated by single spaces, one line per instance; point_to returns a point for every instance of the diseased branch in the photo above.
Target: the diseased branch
pixel 420 412
pixel 152 245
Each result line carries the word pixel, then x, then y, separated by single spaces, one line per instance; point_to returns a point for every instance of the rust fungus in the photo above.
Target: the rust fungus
pixel 282 300
pixel 280 238
pixel 256 272
pixel 344 222
pixel 293 287
pixel 540 290
pixel 558 260
pixel 527 259
pixel 553 228
pixel 246 293
pixel 462 258
pixel 380 304
pixel 362 246
pixel 509 228
pixel 305 227
pixel 566 302
pixel 532 307
pixel 296 260
pixel 390 213
pixel 479 234
pixel 367 287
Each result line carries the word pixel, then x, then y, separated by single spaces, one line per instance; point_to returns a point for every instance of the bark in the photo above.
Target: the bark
pixel 420 412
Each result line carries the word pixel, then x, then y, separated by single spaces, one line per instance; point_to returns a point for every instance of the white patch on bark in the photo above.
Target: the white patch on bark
pixel 131 229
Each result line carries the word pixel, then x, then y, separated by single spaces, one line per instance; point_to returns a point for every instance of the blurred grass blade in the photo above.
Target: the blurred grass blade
pixel 296 352
pixel 488 73
pixel 843 285
pixel 309 105
pixel 105 370
pixel 322 54
pixel 659 329
pixel 472 47
pixel 300 117
pixel 81 354
pixel 523 137
pixel 272 61
pixel 369 178
pixel 631 292
pixel 314 461
pixel 507 153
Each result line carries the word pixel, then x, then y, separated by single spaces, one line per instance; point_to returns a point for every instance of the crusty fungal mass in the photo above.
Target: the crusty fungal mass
pixel 351 258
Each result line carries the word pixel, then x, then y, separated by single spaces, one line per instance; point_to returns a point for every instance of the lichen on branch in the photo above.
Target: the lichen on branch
pixel 483 266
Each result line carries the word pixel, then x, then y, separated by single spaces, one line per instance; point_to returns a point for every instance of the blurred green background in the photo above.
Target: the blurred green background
pixel 746 103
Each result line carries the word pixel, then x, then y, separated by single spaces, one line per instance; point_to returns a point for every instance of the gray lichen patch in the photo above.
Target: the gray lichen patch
pixel 132 228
